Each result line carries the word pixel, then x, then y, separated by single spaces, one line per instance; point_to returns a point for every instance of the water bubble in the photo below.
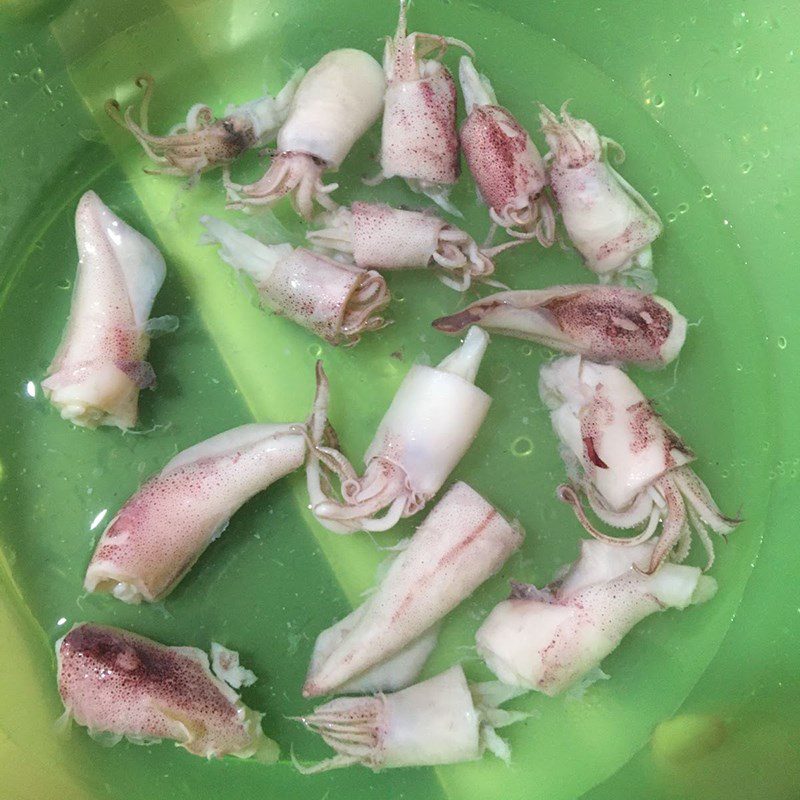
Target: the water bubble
pixel 707 191
pixel 37 75
pixel 683 208
pixel 724 473
pixel 398 297
pixel 522 446
pixel 658 100
pixel 64 285
pixel 13 77
pixel 737 48
pixel 677 37
pixel 782 342
pixel 315 350
pixel 526 350
pixel 695 89
pixel 654 190
pixel 757 73
pixel 501 372
pixel 276 14
pixel 672 216
pixel 739 367
pixel 745 167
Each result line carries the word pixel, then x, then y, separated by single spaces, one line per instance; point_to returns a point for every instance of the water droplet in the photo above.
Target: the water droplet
pixel 724 473
pixel 315 350
pixel 398 297
pixel 683 208
pixel 695 89
pixel 765 153
pixel 765 445
pixel 739 367
pixel 745 166
pixel 658 100
pixel 672 216
pixel 707 191
pixel 13 77
pixel 677 37
pixel 654 190
pixel 526 350
pixel 522 446
pixel 37 75
pixel 782 342
pixel 65 284
pixel 276 14
pixel 501 372
pixel 737 48
pixel 757 73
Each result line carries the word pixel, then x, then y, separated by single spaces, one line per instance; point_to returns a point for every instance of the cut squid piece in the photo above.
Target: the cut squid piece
pixel 336 102
pixel 550 639
pixel 611 225
pixel 632 468
pixel 204 142
pixel 508 169
pixel 462 543
pixel 430 424
pixel 443 720
pixel 336 301
pixel 120 685
pixel 163 529
pixel 419 141
pixel 100 364
pixel 380 237
pixel 604 323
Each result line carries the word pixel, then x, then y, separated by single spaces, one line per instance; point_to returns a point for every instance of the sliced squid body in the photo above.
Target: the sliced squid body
pixel 549 640
pixel 443 720
pixel 120 685
pixel 334 300
pixel 462 543
pixel 604 323
pixel 434 417
pixel 164 528
pixel 100 364
pixel 611 225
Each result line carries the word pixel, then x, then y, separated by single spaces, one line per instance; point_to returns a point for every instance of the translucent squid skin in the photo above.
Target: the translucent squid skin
pixel 204 142
pixel 100 364
pixel 334 300
pixel 164 528
pixel 508 169
pixel 433 419
pixel 119 684
pixel 334 105
pixel 462 542
pixel 383 238
pixel 608 221
pixel 548 640
pixel 419 140
pixel 611 324
pixel 632 468
pixel 443 720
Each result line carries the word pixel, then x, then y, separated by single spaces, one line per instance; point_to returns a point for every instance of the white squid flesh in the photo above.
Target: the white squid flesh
pixel 443 720
pixel 204 142
pixel 100 364
pixel 550 639
pixel 611 225
pixel 462 543
pixel 632 467
pixel 419 141
pixel 383 238
pixel 508 169
pixel 336 102
pixel 118 684
pixel 433 419
pixel 164 528
pixel 336 301
pixel 613 324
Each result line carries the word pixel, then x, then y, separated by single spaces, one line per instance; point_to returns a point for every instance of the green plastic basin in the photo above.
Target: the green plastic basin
pixel 705 98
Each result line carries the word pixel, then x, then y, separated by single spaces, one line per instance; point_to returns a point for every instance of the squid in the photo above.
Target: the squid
pixel 334 300
pixel 380 237
pixel 100 365
pixel 633 469
pixel 419 141
pixel 611 324
pixel 434 417
pixel 462 543
pixel 611 225
pixel 552 639
pixel 166 525
pixel 120 685
pixel 443 720
pixel 336 102
pixel 205 142
pixel 508 170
